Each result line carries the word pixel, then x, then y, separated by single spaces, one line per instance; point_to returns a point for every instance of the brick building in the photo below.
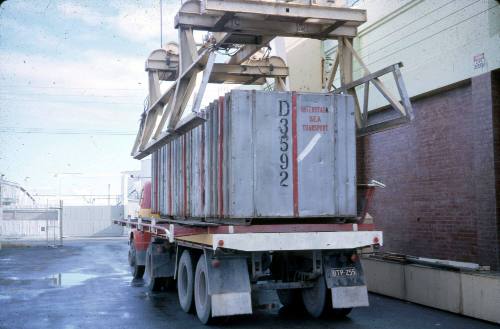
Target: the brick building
pixel 443 170
pixel 442 173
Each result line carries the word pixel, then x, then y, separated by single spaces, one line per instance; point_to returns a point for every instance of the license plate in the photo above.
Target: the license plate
pixel 346 271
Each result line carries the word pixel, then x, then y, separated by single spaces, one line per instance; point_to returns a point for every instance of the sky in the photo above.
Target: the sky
pixel 72 88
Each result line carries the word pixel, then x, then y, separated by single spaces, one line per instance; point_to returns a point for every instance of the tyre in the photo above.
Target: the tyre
pixel 315 299
pixel 340 312
pixel 202 299
pixel 185 280
pixel 318 301
pixel 137 270
pixel 131 253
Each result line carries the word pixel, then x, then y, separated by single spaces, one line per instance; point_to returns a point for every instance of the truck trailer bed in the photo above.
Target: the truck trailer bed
pixel 268 237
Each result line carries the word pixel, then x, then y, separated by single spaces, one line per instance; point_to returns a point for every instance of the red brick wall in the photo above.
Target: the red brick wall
pixel 441 198
pixel 495 87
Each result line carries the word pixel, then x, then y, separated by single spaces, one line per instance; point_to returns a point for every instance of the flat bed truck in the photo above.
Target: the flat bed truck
pixel 218 264
pixel 217 267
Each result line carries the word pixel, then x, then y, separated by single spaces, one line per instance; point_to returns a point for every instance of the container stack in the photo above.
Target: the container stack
pixel 261 155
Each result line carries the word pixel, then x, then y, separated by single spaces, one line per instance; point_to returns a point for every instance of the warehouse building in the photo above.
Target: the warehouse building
pixel 442 171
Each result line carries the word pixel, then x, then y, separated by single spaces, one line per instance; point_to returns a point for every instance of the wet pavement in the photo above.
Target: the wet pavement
pixel 86 284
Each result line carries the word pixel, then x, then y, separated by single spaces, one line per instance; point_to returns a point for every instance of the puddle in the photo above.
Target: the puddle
pixel 24 294
pixel 67 280
pixel 15 288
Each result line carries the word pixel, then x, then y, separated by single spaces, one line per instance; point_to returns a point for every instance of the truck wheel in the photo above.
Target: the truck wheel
pixel 290 298
pixel 131 253
pixel 153 283
pixel 202 299
pixel 315 298
pixel 185 281
pixel 137 270
pixel 318 301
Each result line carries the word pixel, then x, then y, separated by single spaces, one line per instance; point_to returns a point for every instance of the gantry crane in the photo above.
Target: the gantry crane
pixel 219 264
pixel 241 28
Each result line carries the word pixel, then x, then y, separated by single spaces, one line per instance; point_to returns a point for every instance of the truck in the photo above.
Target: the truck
pixel 257 191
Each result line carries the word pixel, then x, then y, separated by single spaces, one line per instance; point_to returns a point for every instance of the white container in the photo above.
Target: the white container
pixel 262 155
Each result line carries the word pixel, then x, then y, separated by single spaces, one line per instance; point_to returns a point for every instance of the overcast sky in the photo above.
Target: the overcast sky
pixel 72 87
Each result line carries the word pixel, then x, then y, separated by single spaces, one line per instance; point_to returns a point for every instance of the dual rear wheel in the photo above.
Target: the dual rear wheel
pixel 192 286
pixel 317 301
pixel 192 289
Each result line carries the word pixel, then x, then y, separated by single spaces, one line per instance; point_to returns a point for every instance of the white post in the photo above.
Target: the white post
pixel 61 222
pixel 1 212
pixel 125 194
pixel 47 227
pixel 1 220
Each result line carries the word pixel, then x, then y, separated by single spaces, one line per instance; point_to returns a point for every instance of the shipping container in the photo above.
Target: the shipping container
pixel 261 155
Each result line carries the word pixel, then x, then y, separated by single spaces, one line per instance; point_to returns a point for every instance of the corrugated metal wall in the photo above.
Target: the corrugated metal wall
pixel 262 154
pixel 87 221
pixel 30 223
pixel 78 221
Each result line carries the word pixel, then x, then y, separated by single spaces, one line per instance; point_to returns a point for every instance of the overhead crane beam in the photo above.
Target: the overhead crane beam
pixel 246 26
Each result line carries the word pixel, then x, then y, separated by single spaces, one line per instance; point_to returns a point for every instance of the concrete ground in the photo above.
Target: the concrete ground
pixel 86 284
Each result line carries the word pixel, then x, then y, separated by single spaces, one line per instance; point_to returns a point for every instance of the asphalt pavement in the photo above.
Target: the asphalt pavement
pixel 87 284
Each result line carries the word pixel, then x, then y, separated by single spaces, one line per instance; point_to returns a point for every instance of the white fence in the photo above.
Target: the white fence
pixel 91 221
pixel 44 223
pixel 35 223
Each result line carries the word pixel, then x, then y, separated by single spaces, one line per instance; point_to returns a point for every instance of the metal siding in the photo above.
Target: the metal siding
pixel 196 169
pixel 351 190
pixel 163 180
pixel 153 181
pixel 159 168
pixel 189 172
pixel 170 179
pixel 226 163
pixel 208 160
pixel 214 165
pixel 262 154
pixel 78 221
pixel 273 197
pixel 340 154
pixel 315 137
pixel 240 156
pixel 176 176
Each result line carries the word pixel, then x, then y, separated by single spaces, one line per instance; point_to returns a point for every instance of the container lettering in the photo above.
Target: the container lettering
pixel 284 111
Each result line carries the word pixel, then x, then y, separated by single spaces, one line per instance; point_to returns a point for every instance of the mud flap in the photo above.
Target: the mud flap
pixel 345 297
pixel 346 280
pixel 163 260
pixel 229 285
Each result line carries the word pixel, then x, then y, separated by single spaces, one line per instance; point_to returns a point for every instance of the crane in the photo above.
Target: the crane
pixel 241 29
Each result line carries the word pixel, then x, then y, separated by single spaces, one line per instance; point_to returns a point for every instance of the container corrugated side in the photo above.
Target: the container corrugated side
pixel 263 154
